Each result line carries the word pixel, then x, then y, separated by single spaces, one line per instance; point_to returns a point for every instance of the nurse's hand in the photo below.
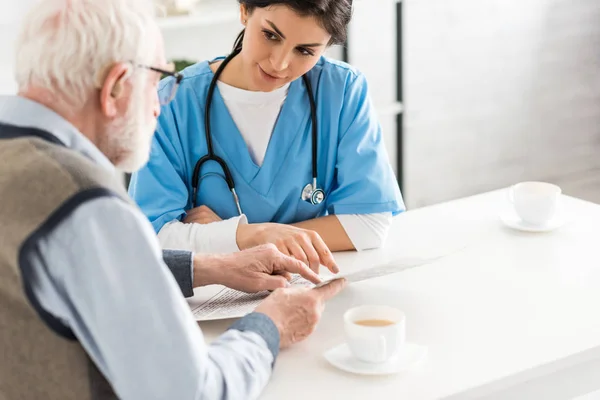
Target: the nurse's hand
pixel 254 270
pixel 201 215
pixel 303 244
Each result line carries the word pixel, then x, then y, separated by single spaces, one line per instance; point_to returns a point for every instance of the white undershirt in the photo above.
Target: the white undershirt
pixel 255 114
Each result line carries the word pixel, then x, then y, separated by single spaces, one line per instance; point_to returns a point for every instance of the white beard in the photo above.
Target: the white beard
pixel 130 138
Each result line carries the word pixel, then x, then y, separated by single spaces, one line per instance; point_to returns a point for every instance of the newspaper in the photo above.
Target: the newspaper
pixel 218 302
pixel 380 270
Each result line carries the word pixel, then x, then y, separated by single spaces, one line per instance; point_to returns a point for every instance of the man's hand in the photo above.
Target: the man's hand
pixel 303 244
pixel 253 270
pixel 296 311
pixel 201 215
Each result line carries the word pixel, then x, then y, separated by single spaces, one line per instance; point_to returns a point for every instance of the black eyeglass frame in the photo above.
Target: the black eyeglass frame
pixel 175 75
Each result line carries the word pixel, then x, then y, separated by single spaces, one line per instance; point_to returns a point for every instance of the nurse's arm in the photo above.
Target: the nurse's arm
pixel 365 231
pixel 331 231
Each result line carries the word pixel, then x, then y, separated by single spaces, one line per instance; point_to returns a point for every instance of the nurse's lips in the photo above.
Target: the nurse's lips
pixel 269 76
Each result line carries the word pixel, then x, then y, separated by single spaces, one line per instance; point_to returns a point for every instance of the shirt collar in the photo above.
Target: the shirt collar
pixel 19 111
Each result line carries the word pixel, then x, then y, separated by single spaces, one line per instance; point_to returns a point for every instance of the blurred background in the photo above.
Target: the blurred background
pixel 472 95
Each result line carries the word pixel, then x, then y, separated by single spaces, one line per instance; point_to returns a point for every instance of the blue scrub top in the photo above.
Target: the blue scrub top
pixel 353 167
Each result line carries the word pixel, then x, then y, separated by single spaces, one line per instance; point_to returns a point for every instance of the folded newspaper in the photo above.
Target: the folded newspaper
pixel 218 302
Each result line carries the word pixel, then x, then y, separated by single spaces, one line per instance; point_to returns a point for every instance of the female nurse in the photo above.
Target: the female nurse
pixel 285 148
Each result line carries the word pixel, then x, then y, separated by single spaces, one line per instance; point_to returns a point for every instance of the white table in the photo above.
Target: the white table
pixel 513 315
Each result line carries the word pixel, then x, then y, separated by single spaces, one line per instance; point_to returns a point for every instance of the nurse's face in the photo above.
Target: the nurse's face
pixel 279 46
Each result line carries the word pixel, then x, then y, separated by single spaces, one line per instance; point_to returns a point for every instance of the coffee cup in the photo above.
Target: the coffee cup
pixel 375 333
pixel 535 203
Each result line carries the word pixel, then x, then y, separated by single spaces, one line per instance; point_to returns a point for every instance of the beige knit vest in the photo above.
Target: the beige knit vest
pixel 41 183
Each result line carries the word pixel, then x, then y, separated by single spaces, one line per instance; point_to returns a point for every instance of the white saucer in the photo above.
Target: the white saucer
pixel 511 219
pixel 341 357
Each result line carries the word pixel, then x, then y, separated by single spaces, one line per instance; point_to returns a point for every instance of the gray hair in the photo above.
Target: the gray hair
pixel 65 46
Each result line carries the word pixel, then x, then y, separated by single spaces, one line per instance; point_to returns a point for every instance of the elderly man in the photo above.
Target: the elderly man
pixel 88 308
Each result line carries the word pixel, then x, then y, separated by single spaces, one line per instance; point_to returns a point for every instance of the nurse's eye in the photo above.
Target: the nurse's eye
pixel 305 52
pixel 270 36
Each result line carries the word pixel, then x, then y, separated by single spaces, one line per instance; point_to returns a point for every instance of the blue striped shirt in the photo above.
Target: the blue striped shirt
pixel 100 272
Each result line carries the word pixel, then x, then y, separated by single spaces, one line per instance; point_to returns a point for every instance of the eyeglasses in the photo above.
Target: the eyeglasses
pixel 169 88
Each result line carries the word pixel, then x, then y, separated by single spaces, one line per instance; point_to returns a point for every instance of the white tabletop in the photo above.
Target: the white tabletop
pixel 509 307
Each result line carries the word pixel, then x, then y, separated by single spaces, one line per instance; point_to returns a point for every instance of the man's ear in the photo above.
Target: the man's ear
pixel 112 88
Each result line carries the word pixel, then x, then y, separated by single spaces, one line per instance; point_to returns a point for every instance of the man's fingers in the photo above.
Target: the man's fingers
pixel 294 266
pixel 329 290
pixel 272 282
pixel 285 274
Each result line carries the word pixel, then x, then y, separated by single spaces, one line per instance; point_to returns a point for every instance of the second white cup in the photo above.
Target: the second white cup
pixel 535 202
pixel 375 334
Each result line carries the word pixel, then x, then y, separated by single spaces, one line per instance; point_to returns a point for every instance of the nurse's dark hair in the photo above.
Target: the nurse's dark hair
pixel 334 15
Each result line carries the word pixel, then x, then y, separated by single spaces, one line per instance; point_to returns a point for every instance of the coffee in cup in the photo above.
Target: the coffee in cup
pixel 374 322
pixel 375 334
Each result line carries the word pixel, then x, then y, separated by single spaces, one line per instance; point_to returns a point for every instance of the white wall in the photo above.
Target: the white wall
pixel 7 84
pixel 7 35
pixel 496 91
pixel 499 91
pixel 372 38
pixel 11 12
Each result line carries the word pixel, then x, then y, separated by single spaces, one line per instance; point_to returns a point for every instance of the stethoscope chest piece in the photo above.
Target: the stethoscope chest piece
pixel 311 195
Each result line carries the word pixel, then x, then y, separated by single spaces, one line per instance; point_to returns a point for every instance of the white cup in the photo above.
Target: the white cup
pixel 375 344
pixel 535 202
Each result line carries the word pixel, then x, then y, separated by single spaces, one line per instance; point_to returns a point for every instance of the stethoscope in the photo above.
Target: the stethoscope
pixel 311 193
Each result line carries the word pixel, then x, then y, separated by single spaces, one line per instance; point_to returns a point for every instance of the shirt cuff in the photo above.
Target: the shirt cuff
pixel 223 237
pixel 366 231
pixel 181 264
pixel 262 325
